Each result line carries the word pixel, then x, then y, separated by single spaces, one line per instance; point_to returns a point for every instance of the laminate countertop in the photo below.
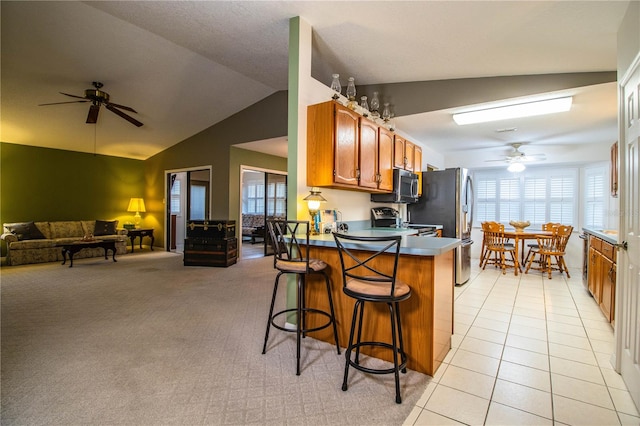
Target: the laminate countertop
pixel 610 236
pixel 411 244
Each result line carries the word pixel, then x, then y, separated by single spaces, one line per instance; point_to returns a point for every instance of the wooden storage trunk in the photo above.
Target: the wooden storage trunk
pixel 211 229
pixel 210 252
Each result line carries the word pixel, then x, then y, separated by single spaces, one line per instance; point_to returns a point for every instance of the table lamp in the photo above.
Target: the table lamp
pixel 136 205
pixel 313 203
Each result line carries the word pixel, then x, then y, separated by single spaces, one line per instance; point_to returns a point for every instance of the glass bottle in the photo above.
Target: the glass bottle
pixel 386 112
pixel 351 93
pixel 335 86
pixel 365 106
pixel 375 105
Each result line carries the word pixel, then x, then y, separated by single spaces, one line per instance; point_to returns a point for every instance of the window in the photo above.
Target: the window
pixel 277 198
pixel 175 197
pixel 253 202
pixel 594 197
pixel 539 196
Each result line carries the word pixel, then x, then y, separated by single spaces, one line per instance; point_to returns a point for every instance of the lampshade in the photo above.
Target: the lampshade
pixel 314 199
pixel 516 167
pixel 136 205
pixel 527 109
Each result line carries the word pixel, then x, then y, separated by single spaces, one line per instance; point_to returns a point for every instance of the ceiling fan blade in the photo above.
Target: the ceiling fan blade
pixel 126 108
pixel 58 103
pixel 73 96
pixel 131 120
pixel 92 117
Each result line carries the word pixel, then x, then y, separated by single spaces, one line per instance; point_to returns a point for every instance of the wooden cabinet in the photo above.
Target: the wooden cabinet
pixel 346 150
pixel 417 168
pixel 601 275
pixel 406 155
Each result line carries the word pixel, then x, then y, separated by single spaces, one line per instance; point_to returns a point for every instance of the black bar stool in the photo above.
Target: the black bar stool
pixel 290 241
pixel 367 278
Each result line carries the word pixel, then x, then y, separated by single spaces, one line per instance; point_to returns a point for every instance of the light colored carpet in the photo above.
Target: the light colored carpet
pixel 147 341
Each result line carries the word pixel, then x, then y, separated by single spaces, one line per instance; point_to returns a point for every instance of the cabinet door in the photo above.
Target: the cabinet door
pixel 594 274
pixel 398 152
pixel 409 155
pixel 368 154
pixel 417 168
pixel 385 159
pixel 346 140
pixel 607 276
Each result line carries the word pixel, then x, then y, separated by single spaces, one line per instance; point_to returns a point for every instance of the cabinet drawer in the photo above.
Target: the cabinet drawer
pixel 595 242
pixel 609 251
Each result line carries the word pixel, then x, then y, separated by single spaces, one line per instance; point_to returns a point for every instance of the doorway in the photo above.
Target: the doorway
pixel 263 195
pixel 188 192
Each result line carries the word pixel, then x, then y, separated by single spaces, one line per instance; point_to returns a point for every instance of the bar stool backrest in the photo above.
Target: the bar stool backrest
pixel 367 265
pixel 296 249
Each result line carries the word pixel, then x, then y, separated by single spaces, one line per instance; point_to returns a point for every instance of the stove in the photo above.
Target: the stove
pixel 423 230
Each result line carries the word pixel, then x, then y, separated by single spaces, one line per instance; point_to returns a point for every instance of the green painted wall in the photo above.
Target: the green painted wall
pixel 44 184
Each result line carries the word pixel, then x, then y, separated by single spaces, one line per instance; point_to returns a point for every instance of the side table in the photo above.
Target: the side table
pixel 141 232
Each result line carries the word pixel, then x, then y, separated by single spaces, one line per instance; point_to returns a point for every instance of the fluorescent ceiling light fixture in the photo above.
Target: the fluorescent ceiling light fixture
pixel 516 167
pixel 528 109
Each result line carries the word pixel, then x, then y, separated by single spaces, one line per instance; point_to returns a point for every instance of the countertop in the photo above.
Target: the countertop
pixel 419 246
pixel 610 236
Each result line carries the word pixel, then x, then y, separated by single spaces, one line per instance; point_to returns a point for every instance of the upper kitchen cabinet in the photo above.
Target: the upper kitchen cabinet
pixel 344 150
pixel 406 155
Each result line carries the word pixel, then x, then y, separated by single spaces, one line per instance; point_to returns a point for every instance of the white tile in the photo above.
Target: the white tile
pixel 503 415
pixel 482 347
pixel 426 394
pixel 627 420
pixel 574 412
pixel 476 362
pixel 529 322
pixel 613 379
pixel 495 315
pixel 569 340
pixel 602 347
pixel 468 381
pixel 577 370
pixel 457 405
pixel 523 398
pixel 456 339
pixel 526 343
pixel 623 402
pixel 575 354
pixel 564 319
pixel 427 417
pixel 523 375
pixel 604 360
pixel 603 335
pixel 526 331
pixel 450 354
pixel 412 417
pixel 602 324
pixel 581 390
pixel 538 313
pixel 528 358
pixel 486 334
pixel 463 318
pixel 491 324
pixel 573 330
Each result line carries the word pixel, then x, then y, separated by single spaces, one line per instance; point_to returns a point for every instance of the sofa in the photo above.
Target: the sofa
pixel 253 226
pixel 39 242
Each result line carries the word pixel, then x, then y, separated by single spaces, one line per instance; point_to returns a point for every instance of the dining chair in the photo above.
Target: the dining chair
pixel 290 242
pixel 550 247
pixel 545 227
pixel 369 269
pixel 496 244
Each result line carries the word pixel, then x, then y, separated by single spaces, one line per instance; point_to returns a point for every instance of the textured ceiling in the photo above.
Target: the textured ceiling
pixel 186 65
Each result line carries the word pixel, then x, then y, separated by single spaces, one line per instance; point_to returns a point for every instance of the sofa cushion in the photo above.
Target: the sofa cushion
pixel 25 231
pixel 66 229
pixel 32 244
pixel 105 227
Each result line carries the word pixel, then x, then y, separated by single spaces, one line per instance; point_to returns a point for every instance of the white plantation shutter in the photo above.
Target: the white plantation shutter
pixel 594 197
pixel 539 196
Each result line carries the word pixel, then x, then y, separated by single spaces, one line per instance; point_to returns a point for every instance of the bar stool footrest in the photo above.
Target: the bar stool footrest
pixel 304 311
pixel 401 366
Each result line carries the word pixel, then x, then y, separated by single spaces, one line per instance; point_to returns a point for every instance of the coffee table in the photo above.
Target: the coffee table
pixel 75 246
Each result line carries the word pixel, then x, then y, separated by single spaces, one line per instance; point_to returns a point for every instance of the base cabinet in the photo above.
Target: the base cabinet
pixel 601 275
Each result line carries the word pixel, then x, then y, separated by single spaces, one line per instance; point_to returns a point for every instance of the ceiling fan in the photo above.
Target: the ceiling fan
pixel 98 98
pixel 517 156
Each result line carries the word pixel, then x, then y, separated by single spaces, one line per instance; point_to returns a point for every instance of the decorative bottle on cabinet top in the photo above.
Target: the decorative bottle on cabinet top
pixel 351 93
pixel 335 86
pixel 375 105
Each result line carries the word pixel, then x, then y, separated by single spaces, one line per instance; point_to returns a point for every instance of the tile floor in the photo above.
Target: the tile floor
pixel 530 351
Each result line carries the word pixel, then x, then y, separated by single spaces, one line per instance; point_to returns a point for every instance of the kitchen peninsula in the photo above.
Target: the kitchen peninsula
pixel 427 265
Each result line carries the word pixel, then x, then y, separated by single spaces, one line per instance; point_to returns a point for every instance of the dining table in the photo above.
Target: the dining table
pixel 520 236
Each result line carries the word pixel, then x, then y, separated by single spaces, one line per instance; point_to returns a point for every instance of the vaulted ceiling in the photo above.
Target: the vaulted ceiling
pixel 184 66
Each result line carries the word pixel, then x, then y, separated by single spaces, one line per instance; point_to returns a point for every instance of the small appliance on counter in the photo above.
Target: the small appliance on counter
pixel 385 217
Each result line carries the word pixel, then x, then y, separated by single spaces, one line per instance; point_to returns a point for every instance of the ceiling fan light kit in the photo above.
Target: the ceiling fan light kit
pixel 516 167
pixel 528 109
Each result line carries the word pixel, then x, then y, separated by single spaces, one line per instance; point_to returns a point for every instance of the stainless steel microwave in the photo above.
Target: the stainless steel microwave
pixel 405 189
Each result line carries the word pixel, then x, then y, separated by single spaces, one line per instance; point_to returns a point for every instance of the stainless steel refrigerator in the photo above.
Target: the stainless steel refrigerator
pixel 447 200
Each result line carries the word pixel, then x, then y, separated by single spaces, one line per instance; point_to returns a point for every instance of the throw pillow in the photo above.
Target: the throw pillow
pixel 25 231
pixel 105 227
